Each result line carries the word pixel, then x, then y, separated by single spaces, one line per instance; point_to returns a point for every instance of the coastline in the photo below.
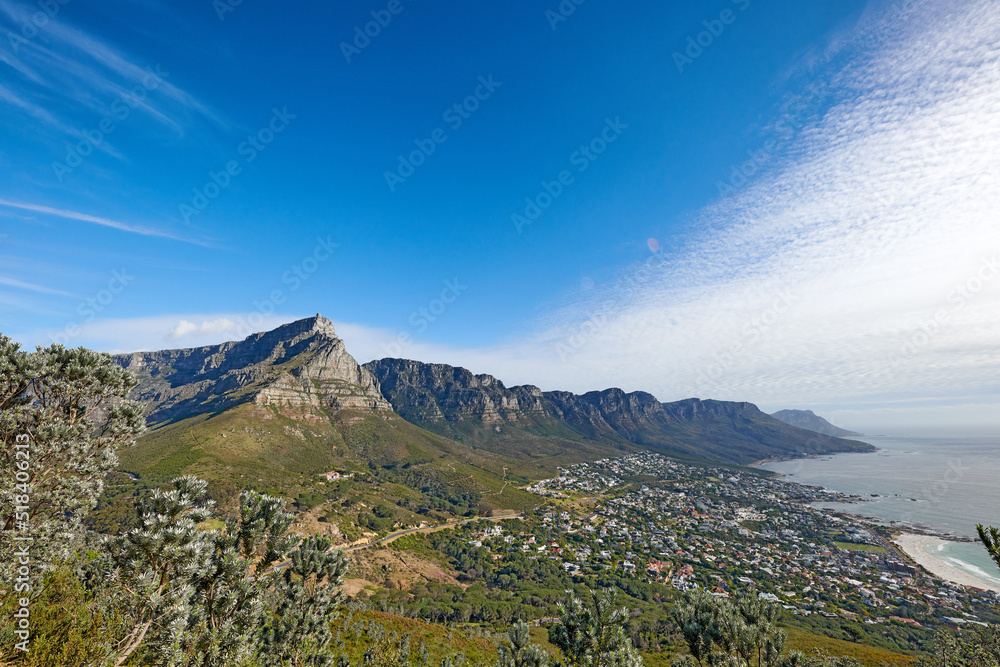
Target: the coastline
pixel 798 457
pixel 914 546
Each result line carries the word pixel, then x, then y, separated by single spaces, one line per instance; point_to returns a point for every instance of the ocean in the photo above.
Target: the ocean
pixel 943 485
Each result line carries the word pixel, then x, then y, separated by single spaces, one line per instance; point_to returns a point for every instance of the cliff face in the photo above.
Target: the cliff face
pixel 431 393
pixel 296 367
pixel 455 402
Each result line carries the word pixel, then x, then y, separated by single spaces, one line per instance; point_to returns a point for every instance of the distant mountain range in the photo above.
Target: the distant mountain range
pixel 809 420
pixel 282 407
pixel 480 410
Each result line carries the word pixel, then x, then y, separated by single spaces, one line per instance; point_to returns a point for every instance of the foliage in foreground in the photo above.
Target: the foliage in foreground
pixel 976 647
pixel 593 634
pixel 739 633
pixel 63 416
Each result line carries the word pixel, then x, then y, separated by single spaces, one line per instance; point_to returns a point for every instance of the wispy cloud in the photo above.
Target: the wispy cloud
pixel 884 210
pixel 63 70
pixel 96 220
pixel 20 284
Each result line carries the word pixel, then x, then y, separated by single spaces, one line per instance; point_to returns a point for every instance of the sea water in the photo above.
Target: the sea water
pixel 943 485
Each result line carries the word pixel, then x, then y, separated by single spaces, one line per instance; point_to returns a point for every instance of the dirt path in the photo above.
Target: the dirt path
pixel 502 488
pixel 392 537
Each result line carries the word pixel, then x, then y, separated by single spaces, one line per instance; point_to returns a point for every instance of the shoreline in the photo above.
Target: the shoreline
pixel 914 544
pixel 799 457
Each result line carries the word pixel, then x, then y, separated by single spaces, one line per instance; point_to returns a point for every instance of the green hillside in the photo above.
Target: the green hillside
pixel 393 473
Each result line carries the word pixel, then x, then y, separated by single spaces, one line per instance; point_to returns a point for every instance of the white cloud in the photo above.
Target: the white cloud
pixel 93 219
pixel 186 329
pixel 884 209
pixel 30 287
pixel 154 333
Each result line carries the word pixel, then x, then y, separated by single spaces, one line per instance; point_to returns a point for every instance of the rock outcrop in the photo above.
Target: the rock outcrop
pixel 295 368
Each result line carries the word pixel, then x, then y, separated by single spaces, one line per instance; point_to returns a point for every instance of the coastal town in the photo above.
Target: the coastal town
pixel 693 526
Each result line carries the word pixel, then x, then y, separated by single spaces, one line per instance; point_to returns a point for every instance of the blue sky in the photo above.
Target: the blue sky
pixel 244 183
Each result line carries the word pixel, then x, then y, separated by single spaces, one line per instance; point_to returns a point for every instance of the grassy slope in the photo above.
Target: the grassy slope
pixel 803 640
pixel 441 642
pixel 255 447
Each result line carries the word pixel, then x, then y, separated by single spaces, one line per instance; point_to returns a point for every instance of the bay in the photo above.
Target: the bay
pixel 942 485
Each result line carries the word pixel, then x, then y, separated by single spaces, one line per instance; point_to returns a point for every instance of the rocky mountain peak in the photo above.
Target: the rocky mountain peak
pixel 299 367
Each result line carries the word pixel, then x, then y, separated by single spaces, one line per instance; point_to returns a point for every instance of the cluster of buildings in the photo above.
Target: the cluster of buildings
pixel 702 527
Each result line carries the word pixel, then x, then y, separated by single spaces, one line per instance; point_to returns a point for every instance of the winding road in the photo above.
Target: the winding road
pixel 428 529
pixel 400 533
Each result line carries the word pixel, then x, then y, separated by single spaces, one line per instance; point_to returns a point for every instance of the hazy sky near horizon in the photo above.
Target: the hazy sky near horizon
pixel 793 204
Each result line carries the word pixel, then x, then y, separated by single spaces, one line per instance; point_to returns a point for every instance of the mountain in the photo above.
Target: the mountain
pixel 809 420
pixel 287 411
pixel 297 366
pixel 525 421
pixel 279 410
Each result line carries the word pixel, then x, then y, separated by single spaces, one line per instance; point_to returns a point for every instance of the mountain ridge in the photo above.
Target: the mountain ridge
pixel 459 404
pixel 294 402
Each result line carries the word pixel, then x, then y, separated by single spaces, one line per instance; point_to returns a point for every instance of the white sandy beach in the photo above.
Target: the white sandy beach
pixel 914 545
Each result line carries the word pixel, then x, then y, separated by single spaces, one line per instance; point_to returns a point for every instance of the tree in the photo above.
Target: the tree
pixel 990 537
pixel 698 618
pixel 304 597
pixel 976 647
pixel 228 590
pixel 63 416
pixel 593 635
pixel 159 564
pixel 742 632
pixel 521 652
pixel 214 598
pixel 752 628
